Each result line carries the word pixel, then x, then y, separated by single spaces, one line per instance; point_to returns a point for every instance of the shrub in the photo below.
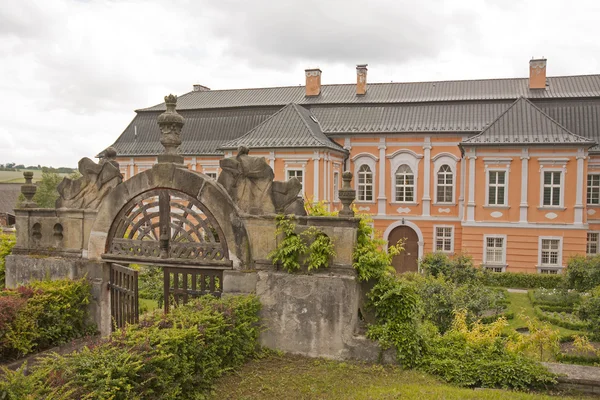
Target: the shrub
pixel 43 314
pixel 435 264
pixel 173 356
pixel 459 270
pixel 583 273
pixel 370 259
pixel 589 310
pixel 7 242
pixel 436 300
pixel 520 280
pixel 563 319
pixel 477 300
pixel 395 303
pixel 478 357
pixel 150 282
pixel 554 297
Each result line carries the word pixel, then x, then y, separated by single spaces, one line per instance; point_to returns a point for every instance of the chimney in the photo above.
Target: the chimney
pixel 313 82
pixel 361 79
pixel 200 88
pixel 537 73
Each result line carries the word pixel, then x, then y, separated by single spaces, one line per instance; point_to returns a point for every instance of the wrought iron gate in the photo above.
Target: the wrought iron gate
pixel 123 295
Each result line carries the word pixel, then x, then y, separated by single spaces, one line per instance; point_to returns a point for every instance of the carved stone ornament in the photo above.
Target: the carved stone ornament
pixel 96 181
pixel 28 190
pixel 346 195
pixel 249 182
pixel 170 123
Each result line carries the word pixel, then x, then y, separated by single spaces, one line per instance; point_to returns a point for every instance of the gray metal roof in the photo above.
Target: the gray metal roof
pixel 524 123
pixel 9 193
pixel 203 132
pixel 414 92
pixel 291 127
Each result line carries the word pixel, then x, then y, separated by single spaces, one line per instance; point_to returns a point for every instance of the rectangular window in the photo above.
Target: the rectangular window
pixel 443 238
pixel 551 188
pixel 494 250
pixel 496 188
pixel 296 173
pixel 592 243
pixel 336 186
pixel 212 175
pixel 365 184
pixel 550 253
pixel 593 189
pixel 548 271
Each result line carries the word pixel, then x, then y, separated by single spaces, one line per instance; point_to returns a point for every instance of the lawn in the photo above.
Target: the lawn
pixel 521 305
pixel 295 377
pixel 17 176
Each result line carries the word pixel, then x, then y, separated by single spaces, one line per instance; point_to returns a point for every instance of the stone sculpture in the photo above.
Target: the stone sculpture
pixel 96 182
pixel 249 182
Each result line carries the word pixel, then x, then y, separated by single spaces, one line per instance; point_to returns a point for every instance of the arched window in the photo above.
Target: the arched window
pixel 365 183
pixel 405 184
pixel 445 184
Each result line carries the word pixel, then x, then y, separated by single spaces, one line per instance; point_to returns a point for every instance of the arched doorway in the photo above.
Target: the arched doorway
pixel 407 261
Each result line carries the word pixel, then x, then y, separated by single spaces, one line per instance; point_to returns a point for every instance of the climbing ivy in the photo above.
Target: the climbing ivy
pixel 313 243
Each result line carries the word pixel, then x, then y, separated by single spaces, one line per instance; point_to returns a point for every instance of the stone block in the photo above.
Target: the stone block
pixel 237 282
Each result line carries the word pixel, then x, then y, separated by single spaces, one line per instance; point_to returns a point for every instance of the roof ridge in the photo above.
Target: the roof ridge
pixel 310 131
pixel 494 121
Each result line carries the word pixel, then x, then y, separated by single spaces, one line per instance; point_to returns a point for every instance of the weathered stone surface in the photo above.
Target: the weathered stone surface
pixel 249 182
pixel 579 378
pixel 238 282
pixel 96 182
pixel 313 315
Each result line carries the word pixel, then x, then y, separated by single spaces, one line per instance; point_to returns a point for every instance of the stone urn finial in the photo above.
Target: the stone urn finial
pixel 170 123
pixel 346 195
pixel 28 190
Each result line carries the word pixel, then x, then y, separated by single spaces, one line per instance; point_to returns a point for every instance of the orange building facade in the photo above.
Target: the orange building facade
pixel 502 179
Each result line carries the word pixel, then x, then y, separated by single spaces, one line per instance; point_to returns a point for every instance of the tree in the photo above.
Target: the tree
pixel 46 194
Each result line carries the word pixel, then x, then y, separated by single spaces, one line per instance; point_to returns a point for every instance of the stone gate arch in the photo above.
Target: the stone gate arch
pixel 194 187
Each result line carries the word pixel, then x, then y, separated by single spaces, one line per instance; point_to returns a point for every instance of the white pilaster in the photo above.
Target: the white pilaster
pixel 131 167
pixel 272 159
pixel 579 193
pixel 427 177
pixel 381 198
pixel 461 196
pixel 193 164
pixel 471 202
pixel 316 159
pixel 524 185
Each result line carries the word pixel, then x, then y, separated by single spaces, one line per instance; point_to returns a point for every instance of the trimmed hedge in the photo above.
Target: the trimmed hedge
pixel 554 297
pixel 173 356
pixel 520 280
pixel 576 359
pixel 42 315
pixel 565 320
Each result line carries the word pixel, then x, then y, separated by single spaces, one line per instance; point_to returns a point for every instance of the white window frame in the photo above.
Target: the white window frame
pixel 404 185
pixel 336 186
pixel 553 165
pixel 435 238
pixel 544 268
pixel 587 197
pixel 212 174
pixel 371 161
pixel 487 187
pixel 597 243
pixel 412 159
pixel 552 186
pixel 495 265
pixel 450 160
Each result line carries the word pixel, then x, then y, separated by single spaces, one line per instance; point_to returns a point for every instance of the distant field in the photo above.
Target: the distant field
pixel 17 176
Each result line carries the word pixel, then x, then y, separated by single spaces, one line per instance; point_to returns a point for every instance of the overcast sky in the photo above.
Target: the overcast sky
pixel 73 72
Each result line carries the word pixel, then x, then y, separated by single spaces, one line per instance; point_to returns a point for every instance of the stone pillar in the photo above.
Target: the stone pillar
pixel 471 202
pixel 524 186
pixel 170 124
pixel 427 178
pixel 316 162
pixel 579 193
pixel 347 195
pixel 381 198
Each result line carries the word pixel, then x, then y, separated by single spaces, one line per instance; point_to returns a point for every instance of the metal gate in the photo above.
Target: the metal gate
pixel 123 295
pixel 181 284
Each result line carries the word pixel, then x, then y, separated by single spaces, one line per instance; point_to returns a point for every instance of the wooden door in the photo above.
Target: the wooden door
pixel 407 261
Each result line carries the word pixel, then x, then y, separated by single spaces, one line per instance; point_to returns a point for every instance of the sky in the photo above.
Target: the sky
pixel 73 72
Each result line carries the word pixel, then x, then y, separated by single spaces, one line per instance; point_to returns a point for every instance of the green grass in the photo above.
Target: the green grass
pixel 294 378
pixel 521 305
pixel 147 305
pixel 17 176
